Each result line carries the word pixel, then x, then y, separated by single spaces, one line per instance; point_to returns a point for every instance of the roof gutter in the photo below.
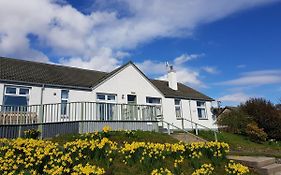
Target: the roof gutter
pixel 45 85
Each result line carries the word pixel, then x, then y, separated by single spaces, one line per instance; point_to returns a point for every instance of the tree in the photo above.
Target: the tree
pixel 265 114
pixel 234 121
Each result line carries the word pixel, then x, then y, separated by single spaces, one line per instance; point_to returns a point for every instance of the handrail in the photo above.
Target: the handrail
pixel 185 130
pixel 174 126
pixel 198 124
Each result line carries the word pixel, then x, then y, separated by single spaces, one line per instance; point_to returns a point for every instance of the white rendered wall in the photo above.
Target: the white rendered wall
pixel 189 111
pixel 1 93
pixel 129 81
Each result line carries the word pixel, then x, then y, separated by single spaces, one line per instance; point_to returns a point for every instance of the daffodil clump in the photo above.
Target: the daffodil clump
pixel 233 168
pixel 29 156
pixel 32 133
pixel 205 169
pixel 151 152
pixel 106 129
pixel 161 171
pixel 95 154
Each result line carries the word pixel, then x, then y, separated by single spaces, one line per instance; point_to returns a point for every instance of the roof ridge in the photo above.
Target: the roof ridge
pixel 52 64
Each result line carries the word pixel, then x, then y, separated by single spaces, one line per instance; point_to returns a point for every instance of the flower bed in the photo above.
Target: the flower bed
pixel 96 154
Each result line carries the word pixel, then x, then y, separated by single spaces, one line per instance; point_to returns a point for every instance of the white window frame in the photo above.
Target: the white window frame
pixel 106 98
pixel 205 117
pixel 158 106
pixel 17 90
pixel 66 115
pixel 178 106
pixel 106 104
pixel 17 94
pixel 160 102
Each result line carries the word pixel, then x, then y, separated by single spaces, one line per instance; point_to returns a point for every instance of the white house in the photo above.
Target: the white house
pixel 60 93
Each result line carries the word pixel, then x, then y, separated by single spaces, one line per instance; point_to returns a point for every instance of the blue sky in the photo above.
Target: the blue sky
pixel 231 51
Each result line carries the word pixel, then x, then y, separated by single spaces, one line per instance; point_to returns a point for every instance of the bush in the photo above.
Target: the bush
pixel 265 114
pixel 255 133
pixel 32 134
pixel 235 121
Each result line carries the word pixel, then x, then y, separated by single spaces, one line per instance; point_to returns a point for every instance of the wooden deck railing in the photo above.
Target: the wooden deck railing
pixel 77 111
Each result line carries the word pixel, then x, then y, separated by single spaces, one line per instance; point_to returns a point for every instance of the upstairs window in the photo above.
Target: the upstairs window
pixel 201 110
pixel 178 108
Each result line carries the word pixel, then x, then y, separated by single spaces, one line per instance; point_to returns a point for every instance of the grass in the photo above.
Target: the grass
pixel 241 145
pixel 120 137
pixel 142 136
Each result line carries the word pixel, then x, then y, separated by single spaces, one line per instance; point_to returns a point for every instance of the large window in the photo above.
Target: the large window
pixel 15 98
pixel 201 110
pixel 64 101
pixel 178 108
pixel 106 107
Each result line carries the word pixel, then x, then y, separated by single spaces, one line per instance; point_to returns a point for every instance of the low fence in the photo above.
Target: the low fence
pixel 74 127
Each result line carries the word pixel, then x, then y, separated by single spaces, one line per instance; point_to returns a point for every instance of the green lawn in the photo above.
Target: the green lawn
pixel 241 145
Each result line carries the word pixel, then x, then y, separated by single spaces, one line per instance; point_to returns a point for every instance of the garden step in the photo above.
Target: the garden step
pixel 255 162
pixel 273 169
pixel 187 137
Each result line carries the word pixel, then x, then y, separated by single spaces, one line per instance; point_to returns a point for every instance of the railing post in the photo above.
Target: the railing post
pixel 182 123
pixel 168 127
pixel 19 130
pixel 40 127
pixel 216 137
pixel 82 110
pixel 196 129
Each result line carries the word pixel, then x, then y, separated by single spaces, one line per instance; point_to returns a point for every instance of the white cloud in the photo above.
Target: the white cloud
pixel 210 70
pixel 185 57
pixel 255 78
pixel 236 98
pixel 241 66
pixel 184 74
pixel 94 40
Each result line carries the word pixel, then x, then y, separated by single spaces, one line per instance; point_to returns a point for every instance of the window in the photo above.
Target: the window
pixel 152 100
pixel 16 96
pixel 11 90
pixel 178 108
pixel 106 97
pixel 111 97
pixel 23 91
pixel 100 96
pixel 64 101
pixel 201 110
pixel 106 109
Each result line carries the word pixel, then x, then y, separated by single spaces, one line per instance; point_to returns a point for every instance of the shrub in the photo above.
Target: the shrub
pixel 32 134
pixel 255 133
pixel 234 121
pixel 265 114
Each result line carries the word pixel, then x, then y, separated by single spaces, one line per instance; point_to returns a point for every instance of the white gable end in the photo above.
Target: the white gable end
pixel 129 81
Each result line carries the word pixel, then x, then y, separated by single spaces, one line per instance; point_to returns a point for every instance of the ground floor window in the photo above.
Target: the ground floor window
pixel 156 110
pixel 201 109
pixel 178 108
pixel 106 106
pixel 64 103
pixel 15 98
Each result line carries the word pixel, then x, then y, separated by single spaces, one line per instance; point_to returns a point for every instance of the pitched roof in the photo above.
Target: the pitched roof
pixel 14 70
pixel 49 74
pixel 183 91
